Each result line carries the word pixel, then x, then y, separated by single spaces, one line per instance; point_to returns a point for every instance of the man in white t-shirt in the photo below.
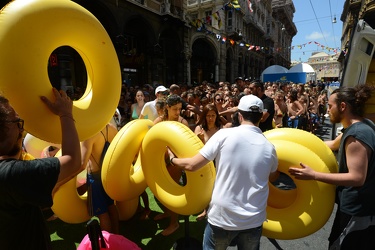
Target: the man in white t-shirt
pixel 149 110
pixel 245 161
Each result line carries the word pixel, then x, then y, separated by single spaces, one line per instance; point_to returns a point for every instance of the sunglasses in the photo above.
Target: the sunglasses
pixel 19 122
pixel 164 93
pixel 219 100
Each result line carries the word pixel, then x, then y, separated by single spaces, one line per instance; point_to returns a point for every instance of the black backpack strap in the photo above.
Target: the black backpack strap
pixel 95 233
pixel 106 145
pixel 105 137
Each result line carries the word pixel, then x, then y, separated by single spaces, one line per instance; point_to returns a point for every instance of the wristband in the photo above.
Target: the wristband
pixel 171 161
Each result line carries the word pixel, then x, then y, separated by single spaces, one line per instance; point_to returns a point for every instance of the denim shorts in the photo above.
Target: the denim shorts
pixel 216 238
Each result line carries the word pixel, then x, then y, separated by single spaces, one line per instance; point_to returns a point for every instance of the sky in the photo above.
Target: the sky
pixel 315 29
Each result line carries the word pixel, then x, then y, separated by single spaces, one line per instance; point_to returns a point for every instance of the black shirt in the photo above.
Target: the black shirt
pixel 25 187
pixel 270 106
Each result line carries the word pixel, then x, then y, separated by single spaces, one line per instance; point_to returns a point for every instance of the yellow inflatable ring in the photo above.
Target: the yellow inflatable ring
pixel 35 146
pixel 68 205
pixel 120 179
pixel 313 201
pixel 30 31
pixel 26 156
pixel 308 140
pixel 196 194
pixel 127 209
pixel 283 198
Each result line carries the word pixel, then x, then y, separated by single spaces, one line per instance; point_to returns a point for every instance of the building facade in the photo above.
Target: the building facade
pixel 187 41
pixel 326 66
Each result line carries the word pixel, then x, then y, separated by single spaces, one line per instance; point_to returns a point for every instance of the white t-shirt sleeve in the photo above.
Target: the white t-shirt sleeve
pixel 275 162
pixel 211 148
pixel 144 110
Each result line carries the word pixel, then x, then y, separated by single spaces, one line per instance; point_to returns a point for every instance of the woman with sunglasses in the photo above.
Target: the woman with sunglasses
pixel 219 104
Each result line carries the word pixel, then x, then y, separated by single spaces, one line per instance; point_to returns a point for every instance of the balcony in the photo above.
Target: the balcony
pixel 171 9
pixel 192 2
pixel 233 33
pixel 196 2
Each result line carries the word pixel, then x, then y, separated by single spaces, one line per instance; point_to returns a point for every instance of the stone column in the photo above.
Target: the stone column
pixel 188 55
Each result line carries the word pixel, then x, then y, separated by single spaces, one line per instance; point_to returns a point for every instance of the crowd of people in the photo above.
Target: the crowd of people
pixel 293 105
pixel 208 108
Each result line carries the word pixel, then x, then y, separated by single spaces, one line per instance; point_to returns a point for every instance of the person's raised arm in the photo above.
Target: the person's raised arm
pixel 70 159
pixel 86 151
pixel 357 154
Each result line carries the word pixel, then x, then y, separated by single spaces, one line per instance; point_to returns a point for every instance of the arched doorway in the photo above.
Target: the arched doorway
pixel 173 61
pixel 202 61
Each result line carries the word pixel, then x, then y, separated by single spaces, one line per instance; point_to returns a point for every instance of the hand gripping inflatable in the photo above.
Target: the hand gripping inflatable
pixel 120 179
pixel 196 194
pixel 30 31
pixel 299 212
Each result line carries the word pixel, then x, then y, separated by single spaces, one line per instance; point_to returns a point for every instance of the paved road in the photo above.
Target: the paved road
pixel 316 241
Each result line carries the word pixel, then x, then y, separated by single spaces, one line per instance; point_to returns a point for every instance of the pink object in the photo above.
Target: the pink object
pixel 113 242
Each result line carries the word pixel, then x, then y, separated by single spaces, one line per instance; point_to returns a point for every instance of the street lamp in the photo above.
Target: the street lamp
pixel 334 20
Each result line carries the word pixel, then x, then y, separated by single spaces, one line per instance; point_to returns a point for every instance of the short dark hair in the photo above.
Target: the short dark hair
pixel 258 84
pixel 4 108
pixel 173 100
pixel 253 117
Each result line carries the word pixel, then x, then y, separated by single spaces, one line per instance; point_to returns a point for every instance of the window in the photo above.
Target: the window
pixel 229 19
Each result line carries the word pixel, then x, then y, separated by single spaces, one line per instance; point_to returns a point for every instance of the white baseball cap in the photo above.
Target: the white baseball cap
pixel 251 103
pixel 160 89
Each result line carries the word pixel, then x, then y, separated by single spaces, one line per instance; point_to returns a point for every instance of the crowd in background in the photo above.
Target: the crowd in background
pixel 296 105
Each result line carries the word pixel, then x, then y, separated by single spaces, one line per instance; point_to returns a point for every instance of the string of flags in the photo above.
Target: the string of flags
pixel 200 24
pixel 249 46
pixel 300 46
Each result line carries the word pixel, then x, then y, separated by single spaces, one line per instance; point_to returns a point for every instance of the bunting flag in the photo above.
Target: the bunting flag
pixel 200 24
pixel 208 19
pixel 250 5
pixel 235 4
pixel 217 17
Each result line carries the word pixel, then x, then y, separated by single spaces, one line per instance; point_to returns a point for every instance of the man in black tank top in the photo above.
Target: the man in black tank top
pixel 354 224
